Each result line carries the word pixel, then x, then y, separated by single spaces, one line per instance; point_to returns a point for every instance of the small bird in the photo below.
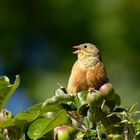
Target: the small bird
pixel 88 71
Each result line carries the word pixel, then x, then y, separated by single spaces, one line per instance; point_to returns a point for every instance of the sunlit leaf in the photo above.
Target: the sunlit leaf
pixel 41 110
pixel 55 100
pixel 132 109
pixel 44 125
pixel 7 123
pixel 51 108
pixel 138 126
pixel 35 108
pixel 82 97
pixel 26 116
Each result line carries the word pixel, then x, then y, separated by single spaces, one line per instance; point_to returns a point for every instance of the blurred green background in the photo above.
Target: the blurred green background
pixel 36 39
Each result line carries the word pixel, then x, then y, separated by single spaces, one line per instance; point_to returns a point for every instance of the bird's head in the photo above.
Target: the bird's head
pixel 86 50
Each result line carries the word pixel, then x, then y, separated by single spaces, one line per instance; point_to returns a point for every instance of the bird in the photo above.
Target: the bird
pixel 88 72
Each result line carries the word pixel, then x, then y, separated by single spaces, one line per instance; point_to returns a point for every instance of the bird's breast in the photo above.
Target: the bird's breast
pixel 83 78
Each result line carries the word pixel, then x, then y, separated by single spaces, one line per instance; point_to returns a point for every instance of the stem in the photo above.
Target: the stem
pixel 103 104
pixel 126 134
pixel 91 117
pixel 83 128
pixel 98 133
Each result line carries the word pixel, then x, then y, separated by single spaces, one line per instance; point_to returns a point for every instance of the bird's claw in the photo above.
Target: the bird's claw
pixel 91 90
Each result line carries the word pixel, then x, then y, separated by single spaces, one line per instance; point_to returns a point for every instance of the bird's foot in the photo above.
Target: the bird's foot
pixel 91 90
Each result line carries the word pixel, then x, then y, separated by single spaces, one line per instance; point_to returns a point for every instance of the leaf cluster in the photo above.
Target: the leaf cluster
pixel 96 119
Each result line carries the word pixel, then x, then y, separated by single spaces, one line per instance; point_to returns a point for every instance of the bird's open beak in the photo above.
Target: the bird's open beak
pixel 78 49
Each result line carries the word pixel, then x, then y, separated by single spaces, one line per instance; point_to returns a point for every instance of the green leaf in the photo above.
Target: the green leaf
pixel 7 89
pixel 82 97
pixel 101 131
pixel 137 137
pixel 22 120
pixel 136 124
pixel 41 110
pixel 117 99
pixel 7 123
pixel 29 117
pixel 82 110
pixel 106 109
pixel 22 138
pixel 111 104
pixel 2 137
pixel 44 125
pixel 91 114
pixel 51 108
pixel 132 109
pixel 59 99
pixel 35 108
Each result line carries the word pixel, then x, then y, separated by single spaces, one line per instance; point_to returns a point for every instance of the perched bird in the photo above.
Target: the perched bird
pixel 88 71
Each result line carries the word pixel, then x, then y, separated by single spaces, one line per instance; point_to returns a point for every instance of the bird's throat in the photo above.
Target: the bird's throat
pixel 83 55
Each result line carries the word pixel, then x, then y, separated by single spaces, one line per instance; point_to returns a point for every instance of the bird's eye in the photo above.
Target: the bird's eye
pixel 85 46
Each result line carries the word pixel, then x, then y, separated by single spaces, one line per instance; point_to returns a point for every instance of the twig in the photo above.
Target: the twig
pixel 103 104
pixel 126 134
pixel 83 128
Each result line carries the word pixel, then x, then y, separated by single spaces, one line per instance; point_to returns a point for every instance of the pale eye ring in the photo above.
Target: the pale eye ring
pixel 85 46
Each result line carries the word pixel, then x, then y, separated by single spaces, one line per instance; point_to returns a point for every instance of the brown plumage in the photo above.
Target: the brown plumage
pixel 88 71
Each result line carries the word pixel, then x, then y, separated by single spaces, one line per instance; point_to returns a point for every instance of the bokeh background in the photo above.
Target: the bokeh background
pixel 36 39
